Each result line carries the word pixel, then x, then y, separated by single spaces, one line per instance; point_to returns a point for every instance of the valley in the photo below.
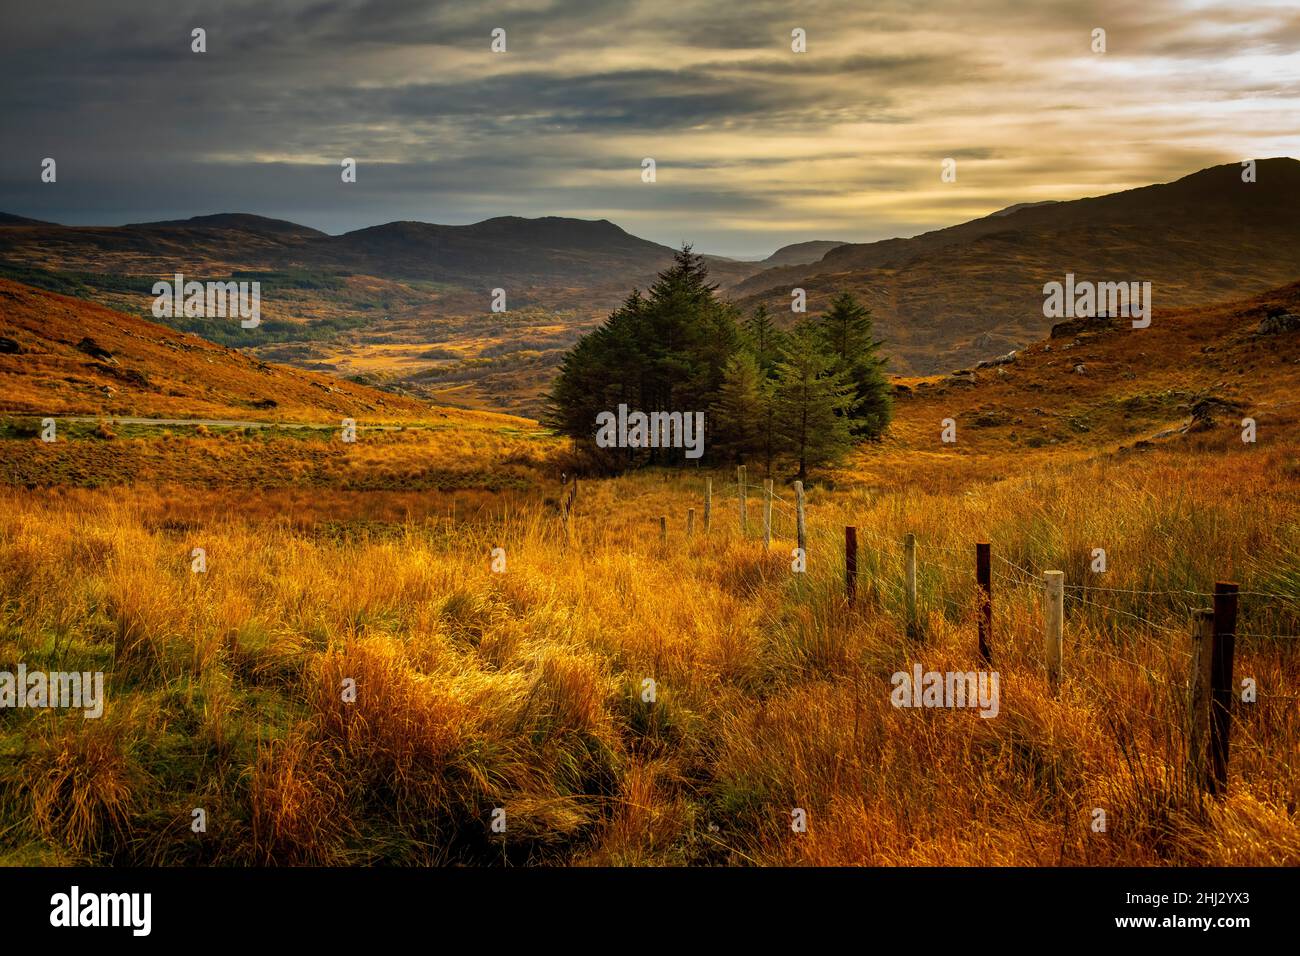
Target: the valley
pixel 407 306
pixel 517 688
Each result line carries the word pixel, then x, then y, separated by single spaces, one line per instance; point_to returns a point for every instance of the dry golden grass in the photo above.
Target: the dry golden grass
pixel 523 690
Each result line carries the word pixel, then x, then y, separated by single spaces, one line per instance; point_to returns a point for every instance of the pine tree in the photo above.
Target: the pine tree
pixel 811 403
pixel 847 334
pixel 764 339
pixel 662 351
pixel 737 417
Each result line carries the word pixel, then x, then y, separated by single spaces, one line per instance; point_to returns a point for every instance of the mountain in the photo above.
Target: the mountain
pixel 502 251
pixel 956 295
pixel 506 251
pixel 408 304
pixel 800 253
pixel 214 245
pixel 242 221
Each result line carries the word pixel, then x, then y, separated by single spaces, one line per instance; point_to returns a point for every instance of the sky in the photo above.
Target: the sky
pixel 755 145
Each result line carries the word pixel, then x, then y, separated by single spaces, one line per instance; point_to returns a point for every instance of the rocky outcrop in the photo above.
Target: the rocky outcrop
pixel 1073 327
pixel 1279 321
pixel 1000 360
pixel 94 349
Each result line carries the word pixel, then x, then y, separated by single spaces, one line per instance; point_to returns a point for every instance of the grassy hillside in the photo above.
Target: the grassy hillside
pixel 75 358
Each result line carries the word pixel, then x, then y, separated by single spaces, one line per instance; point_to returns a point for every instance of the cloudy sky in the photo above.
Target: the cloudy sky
pixel 756 146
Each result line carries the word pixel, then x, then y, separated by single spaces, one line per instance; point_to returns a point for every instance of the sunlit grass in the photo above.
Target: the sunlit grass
pixel 523 691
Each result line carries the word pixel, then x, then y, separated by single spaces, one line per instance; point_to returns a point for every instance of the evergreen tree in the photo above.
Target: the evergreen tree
pixel 811 404
pixel 585 386
pixel 848 336
pixel 737 417
pixel 764 339
pixel 664 351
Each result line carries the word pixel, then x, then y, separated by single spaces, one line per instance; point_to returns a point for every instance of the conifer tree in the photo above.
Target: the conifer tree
pixel 812 400
pixel 737 417
pixel 847 334
pixel 763 339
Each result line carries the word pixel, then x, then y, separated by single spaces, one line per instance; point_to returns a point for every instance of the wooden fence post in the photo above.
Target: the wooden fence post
pixel 800 530
pixel 708 502
pixel 984 586
pixel 1054 626
pixel 740 493
pixel 851 564
pixel 1198 699
pixel 690 522
pixel 767 512
pixel 663 529
pixel 909 582
pixel 1221 689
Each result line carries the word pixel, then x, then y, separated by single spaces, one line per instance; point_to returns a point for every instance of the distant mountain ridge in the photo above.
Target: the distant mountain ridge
pixel 952 296
pixel 800 253
pixel 233 220
pixel 942 300
pixel 548 251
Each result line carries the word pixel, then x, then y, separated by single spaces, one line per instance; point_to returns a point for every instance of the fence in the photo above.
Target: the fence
pixel 1213 631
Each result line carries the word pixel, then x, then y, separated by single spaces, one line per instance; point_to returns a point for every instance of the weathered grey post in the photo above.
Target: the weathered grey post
pixel 767 512
pixel 800 530
pixel 1054 625
pixel 663 529
pixel 690 522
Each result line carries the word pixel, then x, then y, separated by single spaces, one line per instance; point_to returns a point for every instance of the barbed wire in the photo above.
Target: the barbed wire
pixel 1116 657
pixel 886 550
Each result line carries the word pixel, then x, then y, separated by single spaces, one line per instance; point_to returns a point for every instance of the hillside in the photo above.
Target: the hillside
pixel 64 356
pixel 1095 390
pixel 953 296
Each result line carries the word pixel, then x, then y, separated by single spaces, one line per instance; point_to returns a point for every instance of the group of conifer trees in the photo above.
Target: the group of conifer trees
pixel 773 398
